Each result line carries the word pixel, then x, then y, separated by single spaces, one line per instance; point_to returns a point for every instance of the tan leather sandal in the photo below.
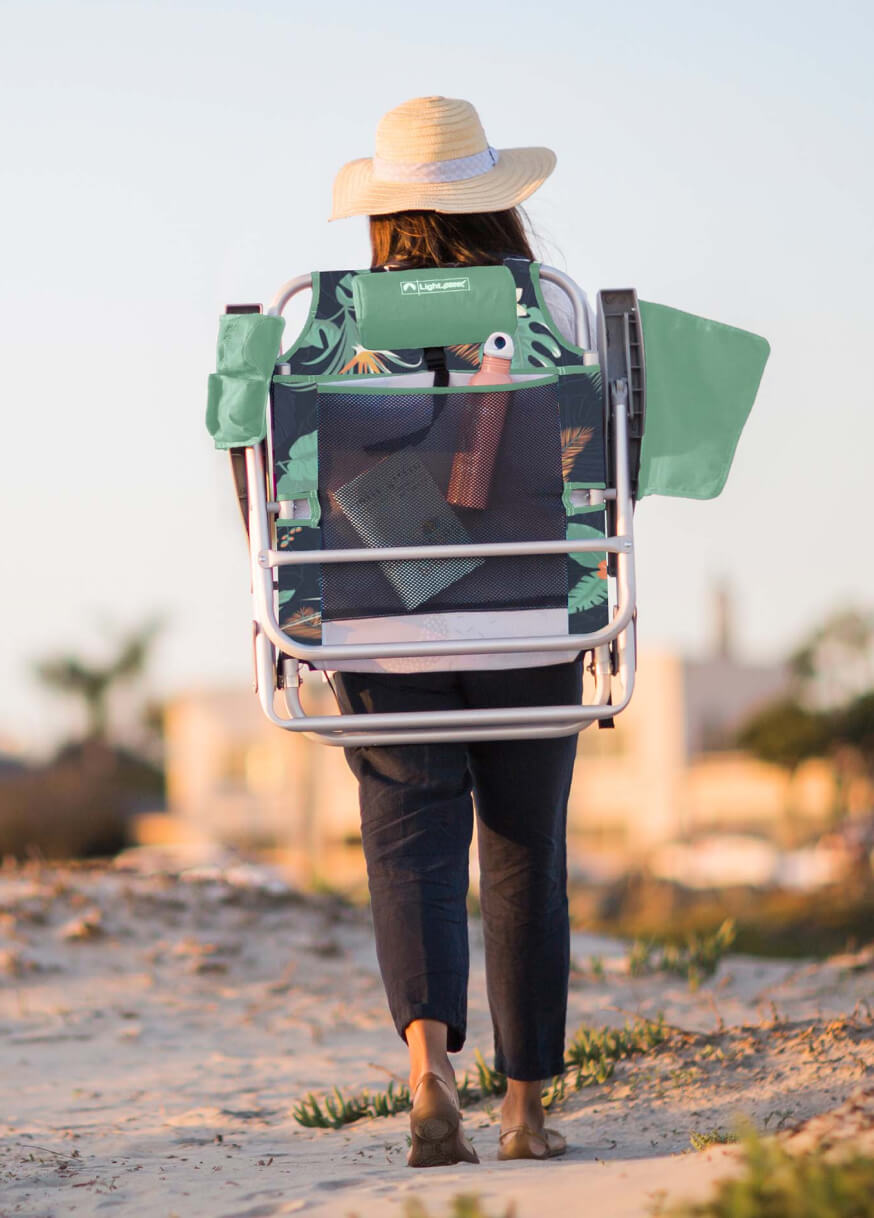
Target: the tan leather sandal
pixel 523 1142
pixel 435 1126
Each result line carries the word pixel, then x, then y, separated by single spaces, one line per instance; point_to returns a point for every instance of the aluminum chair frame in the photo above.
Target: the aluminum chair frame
pixel 278 655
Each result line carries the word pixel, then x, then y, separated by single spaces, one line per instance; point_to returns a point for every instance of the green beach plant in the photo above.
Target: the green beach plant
pixel 590 1060
pixel 777 1184
pixel 697 958
pixel 714 1137
pixel 336 1109
pixel 593 1052
pixel 465 1205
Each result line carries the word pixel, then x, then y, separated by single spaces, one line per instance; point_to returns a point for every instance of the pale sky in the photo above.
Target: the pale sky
pixel 159 159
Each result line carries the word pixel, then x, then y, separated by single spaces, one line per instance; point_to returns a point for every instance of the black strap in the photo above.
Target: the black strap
pixel 435 361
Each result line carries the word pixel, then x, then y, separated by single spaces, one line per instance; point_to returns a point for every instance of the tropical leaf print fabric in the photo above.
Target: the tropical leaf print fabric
pixel 330 345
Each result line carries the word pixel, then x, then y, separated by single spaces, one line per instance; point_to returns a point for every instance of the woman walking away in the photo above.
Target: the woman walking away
pixel 438 194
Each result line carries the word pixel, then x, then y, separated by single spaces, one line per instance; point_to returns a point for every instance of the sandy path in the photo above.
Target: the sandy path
pixel 156 1031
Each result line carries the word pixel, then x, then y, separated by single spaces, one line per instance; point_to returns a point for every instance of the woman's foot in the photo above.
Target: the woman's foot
pixel 522 1142
pixel 435 1121
pixel 426 1040
pixel 523 1133
pixel 435 1126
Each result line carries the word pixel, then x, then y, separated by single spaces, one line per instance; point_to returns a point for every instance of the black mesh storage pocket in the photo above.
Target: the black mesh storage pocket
pixel 440 466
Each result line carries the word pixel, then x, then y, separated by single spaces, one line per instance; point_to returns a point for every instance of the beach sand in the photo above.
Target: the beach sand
pixel 158 1025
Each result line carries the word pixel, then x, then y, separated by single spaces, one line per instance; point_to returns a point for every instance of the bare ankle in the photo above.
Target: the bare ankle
pixel 443 1070
pixel 522 1105
pixel 426 1040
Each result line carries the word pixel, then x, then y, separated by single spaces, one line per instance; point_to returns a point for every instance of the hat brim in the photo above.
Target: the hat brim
pixel 517 174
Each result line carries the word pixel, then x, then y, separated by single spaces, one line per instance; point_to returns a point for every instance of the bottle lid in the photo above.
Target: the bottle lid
pixel 499 344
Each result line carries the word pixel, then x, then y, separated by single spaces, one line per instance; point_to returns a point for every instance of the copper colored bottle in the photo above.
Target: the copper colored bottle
pixel 482 426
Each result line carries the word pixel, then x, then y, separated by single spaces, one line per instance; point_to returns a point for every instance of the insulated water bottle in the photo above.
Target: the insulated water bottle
pixel 482 426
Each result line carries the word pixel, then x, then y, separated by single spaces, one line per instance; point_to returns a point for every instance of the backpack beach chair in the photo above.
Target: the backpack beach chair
pixel 345 450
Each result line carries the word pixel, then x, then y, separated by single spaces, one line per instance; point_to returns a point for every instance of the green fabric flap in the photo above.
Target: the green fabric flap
pixel 236 409
pixel 400 310
pixel 701 381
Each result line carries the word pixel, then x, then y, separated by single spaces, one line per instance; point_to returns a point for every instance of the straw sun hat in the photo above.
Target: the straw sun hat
pixel 432 155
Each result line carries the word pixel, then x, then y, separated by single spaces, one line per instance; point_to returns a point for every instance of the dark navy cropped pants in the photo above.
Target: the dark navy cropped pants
pixel 417 807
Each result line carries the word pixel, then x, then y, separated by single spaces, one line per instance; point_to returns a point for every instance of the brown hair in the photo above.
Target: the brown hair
pixel 432 238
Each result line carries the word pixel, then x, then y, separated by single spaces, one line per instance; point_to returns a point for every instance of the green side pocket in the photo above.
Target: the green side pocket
pixel 247 350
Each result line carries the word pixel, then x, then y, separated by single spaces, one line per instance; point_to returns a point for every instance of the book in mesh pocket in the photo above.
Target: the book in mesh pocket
pixel 398 503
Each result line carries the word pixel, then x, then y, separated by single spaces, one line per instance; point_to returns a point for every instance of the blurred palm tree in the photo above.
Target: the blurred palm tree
pixel 785 733
pixel 93 683
pixel 835 664
pixel 830 711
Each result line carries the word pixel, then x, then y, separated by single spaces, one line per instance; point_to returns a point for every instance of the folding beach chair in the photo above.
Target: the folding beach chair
pixel 343 448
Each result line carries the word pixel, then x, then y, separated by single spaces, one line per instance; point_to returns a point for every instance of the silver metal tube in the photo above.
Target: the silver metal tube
pixel 352 739
pixel 603 679
pixel 375 736
pixel 627 663
pixel 511 716
pixel 493 724
pixel 619 403
pixel 363 739
pixel 627 646
pixel 343 729
pixel 626 579
pixel 592 545
pixel 603 675
pixel 582 330
pixel 265 676
pixel 340 734
pixel 299 284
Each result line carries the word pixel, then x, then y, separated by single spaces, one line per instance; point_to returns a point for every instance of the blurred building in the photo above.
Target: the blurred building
pixel 233 777
pixel 667 770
